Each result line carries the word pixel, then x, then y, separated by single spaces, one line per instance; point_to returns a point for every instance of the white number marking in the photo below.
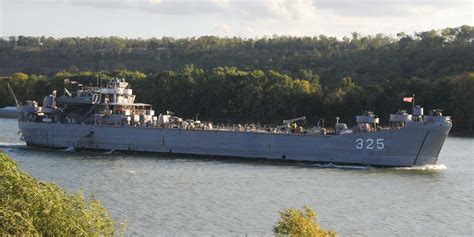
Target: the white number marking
pixel 359 143
pixel 369 144
pixel 380 144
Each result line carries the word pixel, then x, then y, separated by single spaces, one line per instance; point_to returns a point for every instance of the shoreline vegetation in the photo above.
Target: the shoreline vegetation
pixel 31 207
pixel 262 80
pixel 294 222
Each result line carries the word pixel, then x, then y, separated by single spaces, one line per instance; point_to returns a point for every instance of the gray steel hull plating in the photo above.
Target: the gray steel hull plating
pixel 411 146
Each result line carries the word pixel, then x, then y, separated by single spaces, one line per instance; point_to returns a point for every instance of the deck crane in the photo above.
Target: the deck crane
pixel 290 121
pixel 290 124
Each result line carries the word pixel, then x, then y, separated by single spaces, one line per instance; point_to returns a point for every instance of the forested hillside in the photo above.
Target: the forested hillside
pixel 259 80
pixel 431 54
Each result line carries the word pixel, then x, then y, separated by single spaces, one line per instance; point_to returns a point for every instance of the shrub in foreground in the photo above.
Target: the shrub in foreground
pixel 294 222
pixel 30 207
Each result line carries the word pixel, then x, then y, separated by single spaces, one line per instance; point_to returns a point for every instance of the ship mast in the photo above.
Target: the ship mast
pixel 13 95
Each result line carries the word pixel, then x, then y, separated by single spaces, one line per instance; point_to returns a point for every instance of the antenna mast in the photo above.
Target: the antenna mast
pixel 13 95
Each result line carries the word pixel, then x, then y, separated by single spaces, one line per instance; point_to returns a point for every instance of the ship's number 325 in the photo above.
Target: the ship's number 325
pixel 370 144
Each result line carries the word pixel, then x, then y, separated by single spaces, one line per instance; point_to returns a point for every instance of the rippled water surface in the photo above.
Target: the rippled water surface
pixel 161 195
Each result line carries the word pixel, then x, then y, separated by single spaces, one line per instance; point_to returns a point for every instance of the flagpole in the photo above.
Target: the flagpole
pixel 413 104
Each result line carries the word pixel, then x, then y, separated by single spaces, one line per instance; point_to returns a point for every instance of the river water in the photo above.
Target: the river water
pixel 182 196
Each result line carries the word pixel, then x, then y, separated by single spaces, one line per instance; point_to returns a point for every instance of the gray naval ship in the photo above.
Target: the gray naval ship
pixel 108 118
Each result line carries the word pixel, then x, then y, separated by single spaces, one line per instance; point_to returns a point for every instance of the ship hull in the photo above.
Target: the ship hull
pixel 414 146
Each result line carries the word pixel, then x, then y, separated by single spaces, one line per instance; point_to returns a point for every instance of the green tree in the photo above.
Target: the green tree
pixel 462 101
pixel 294 222
pixel 30 207
pixel 20 76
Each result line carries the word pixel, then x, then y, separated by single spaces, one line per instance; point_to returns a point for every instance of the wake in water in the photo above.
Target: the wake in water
pixel 109 152
pixel 425 167
pixel 71 149
pixel 368 167
pixel 11 145
pixel 349 167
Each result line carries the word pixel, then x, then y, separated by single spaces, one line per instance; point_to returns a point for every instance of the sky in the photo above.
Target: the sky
pixel 228 18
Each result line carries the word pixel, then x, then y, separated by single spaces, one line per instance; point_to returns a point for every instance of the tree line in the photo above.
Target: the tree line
pixel 366 59
pixel 230 95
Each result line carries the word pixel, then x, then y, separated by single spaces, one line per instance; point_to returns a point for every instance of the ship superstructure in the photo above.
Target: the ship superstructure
pixel 109 118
